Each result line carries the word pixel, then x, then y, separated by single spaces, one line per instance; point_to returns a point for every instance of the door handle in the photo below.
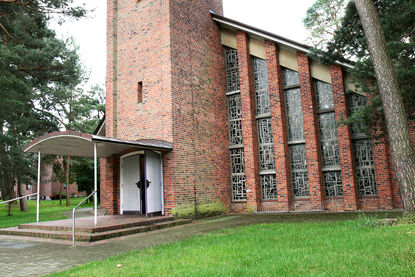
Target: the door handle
pixel 147 183
pixel 138 184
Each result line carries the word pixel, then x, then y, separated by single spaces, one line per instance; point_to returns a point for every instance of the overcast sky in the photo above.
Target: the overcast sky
pixel 282 17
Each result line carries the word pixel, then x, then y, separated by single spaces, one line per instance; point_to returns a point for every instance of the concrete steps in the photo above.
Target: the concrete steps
pixel 91 234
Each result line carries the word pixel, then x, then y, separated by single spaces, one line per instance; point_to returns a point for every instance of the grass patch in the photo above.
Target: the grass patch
pixel 340 248
pixel 48 210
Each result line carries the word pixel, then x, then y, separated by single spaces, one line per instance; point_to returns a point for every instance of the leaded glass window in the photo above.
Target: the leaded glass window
pixel 235 126
pixel 365 167
pixel 363 152
pixel 356 102
pixel 294 114
pixel 333 183
pixel 324 93
pixel 264 127
pixel 328 137
pixel 269 187
pixel 238 174
pixel 290 77
pixel 299 171
pixel 295 126
pixel 261 86
pixel 235 119
pixel 266 146
pixel 237 161
pixel 232 72
pixel 332 176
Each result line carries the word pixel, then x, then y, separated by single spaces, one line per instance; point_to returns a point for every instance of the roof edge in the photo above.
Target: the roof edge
pixel 268 35
pixel 55 134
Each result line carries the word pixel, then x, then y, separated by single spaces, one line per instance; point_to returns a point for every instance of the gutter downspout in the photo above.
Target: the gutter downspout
pixel 115 69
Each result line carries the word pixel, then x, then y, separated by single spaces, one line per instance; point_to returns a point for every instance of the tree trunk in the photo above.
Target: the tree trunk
pixel 60 193
pixel 67 180
pixel 396 122
pixel 9 210
pixel 20 190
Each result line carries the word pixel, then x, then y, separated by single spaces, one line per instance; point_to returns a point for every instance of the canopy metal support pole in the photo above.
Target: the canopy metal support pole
pixel 95 186
pixel 38 187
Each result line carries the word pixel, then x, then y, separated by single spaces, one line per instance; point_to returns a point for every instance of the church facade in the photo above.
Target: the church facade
pixel 251 118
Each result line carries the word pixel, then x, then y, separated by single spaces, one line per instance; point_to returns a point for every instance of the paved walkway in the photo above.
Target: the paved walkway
pixel 34 257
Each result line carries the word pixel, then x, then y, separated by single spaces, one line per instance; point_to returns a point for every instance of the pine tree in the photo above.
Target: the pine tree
pixel 397 20
pixel 397 125
pixel 34 64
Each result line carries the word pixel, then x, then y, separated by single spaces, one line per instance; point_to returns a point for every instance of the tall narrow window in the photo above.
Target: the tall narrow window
pixel 139 92
pixel 363 152
pixel 328 136
pixel 296 141
pixel 233 94
pixel 265 140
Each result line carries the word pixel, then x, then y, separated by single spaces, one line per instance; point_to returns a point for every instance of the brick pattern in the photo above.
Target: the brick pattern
pixel 380 144
pixel 344 139
pixel 396 193
pixel 249 130
pixel 279 122
pixel 383 180
pixel 110 184
pixel 173 47
pixel 200 159
pixel 311 134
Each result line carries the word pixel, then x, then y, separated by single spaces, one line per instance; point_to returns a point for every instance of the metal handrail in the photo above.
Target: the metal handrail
pixel 21 197
pixel 73 215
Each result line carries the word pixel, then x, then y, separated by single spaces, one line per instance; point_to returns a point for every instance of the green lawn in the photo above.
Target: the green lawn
pixel 341 248
pixel 49 210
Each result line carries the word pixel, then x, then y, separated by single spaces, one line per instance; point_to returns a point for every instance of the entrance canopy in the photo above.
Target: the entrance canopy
pixel 82 145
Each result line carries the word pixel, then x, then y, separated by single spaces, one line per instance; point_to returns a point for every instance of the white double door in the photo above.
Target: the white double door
pixel 141 185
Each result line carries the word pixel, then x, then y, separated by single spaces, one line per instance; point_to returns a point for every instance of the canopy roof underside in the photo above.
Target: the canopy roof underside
pixel 70 143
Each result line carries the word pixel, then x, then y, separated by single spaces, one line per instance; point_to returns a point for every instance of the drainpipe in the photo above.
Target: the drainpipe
pixel 115 69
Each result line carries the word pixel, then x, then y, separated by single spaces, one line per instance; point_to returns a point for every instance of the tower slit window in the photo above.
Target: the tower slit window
pixel 264 126
pixel 296 141
pixel 236 148
pixel 139 92
pixel 328 137
pixel 363 151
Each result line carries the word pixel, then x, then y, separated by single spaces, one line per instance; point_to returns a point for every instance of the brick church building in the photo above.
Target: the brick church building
pixel 250 118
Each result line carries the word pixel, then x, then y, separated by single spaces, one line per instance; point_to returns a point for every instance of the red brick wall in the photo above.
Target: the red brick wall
pixel 344 140
pixel 173 47
pixel 200 158
pixel 311 134
pixel 249 130
pixel 110 184
pixel 279 129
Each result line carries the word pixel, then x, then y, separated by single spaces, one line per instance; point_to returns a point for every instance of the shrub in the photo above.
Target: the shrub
pixel 55 196
pixel 408 219
pixel 367 221
pixel 203 210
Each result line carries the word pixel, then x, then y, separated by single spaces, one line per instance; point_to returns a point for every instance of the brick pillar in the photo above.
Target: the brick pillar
pixel 383 180
pixel 344 139
pixel 380 156
pixel 279 130
pixel 168 183
pixel 311 134
pixel 250 137
pixel 110 184
pixel 396 191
